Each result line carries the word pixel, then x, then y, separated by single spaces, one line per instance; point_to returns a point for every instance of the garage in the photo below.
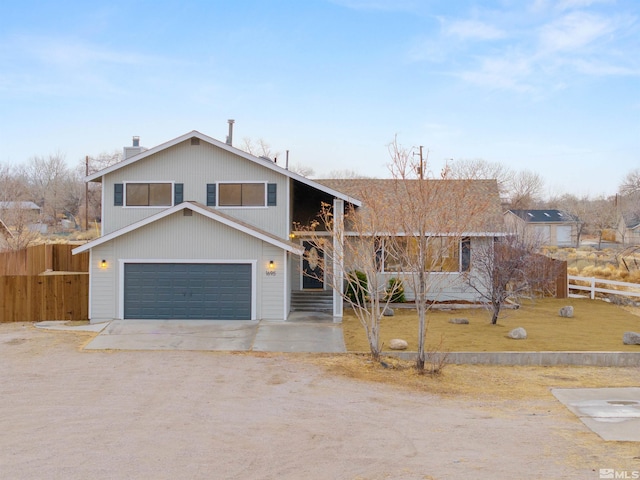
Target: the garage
pixel 189 291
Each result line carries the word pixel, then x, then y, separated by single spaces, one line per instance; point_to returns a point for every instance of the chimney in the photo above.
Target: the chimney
pixel 133 150
pixel 230 136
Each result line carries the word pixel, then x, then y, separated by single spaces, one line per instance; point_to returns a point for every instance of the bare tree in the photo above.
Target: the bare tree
pixel 479 169
pixel 48 179
pixel 362 287
pixel 525 189
pixel 302 170
pixel 603 216
pixel 579 208
pixel 93 190
pixel 631 183
pixel 503 270
pixel 259 148
pixel 346 173
pixel 431 218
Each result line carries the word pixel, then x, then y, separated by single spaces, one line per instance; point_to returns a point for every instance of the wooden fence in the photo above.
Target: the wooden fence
pixel 28 294
pixel 41 258
pixel 34 298
pixel 549 276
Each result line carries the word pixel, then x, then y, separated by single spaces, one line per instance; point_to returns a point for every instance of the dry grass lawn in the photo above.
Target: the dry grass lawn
pixel 596 326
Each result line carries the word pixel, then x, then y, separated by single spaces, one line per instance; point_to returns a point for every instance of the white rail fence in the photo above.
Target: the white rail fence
pixel 593 287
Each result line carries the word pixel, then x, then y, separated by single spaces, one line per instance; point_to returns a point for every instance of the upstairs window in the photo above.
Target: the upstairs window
pixel 148 195
pixel 241 195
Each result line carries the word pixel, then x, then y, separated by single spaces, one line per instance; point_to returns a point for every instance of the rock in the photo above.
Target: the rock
pixel 518 333
pixel 459 321
pixel 566 312
pixel 631 338
pixel 398 344
pixel 388 312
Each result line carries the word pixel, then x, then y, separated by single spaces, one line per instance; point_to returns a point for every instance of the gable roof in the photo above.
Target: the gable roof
pixel 476 203
pixel 20 205
pixel 631 220
pixel 545 216
pixel 202 210
pixel 265 162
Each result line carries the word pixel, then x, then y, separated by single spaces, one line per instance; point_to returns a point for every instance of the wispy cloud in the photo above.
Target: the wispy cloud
pixel 383 5
pixel 574 31
pixel 473 30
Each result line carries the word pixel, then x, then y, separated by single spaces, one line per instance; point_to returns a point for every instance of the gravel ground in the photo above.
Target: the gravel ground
pixel 69 414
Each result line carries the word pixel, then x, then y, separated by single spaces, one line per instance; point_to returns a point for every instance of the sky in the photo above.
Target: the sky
pixel 551 86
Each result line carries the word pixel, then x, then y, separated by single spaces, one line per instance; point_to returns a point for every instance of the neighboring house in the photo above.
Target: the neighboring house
pixel 198 229
pixel 29 211
pixel 548 227
pixel 628 231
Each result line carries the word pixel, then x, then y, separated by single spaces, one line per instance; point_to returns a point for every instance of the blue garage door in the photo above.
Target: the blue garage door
pixel 189 291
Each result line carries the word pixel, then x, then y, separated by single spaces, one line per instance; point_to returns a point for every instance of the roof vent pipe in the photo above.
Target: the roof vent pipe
pixel 230 136
pixel 136 141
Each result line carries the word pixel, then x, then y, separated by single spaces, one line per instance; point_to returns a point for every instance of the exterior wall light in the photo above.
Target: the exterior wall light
pixel 271 265
pixel 103 263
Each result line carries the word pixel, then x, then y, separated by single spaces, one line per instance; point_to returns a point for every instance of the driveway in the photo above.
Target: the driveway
pixel 302 332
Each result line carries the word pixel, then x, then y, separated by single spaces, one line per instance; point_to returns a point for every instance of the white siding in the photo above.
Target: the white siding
pixel 103 283
pixel 273 281
pixel 195 167
pixel 182 237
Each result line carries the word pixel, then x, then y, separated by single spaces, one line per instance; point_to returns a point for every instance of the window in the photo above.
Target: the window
pixel 241 195
pixel 442 255
pixel 148 194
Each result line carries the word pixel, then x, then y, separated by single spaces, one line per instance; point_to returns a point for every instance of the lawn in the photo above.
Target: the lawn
pixel 595 326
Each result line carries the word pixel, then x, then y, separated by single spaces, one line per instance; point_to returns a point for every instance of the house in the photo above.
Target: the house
pixel 195 228
pixel 628 231
pixel 548 227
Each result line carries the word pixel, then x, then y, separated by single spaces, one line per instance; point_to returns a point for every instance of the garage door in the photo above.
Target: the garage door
pixel 190 291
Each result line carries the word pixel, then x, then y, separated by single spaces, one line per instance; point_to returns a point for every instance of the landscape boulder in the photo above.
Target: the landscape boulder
pixel 459 321
pixel 518 333
pixel 398 344
pixel 388 312
pixel 566 312
pixel 631 338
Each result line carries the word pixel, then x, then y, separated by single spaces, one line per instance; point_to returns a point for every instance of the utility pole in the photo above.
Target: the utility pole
pixel 86 194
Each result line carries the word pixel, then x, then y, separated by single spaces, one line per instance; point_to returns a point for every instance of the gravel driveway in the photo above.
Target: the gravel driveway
pixel 71 414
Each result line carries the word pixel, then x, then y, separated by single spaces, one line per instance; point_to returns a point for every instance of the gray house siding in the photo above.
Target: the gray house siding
pixel 195 166
pixel 178 239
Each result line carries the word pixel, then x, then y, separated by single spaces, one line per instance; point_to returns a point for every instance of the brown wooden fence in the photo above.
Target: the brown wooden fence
pixel 34 298
pixel 40 258
pixel 548 276
pixel 29 295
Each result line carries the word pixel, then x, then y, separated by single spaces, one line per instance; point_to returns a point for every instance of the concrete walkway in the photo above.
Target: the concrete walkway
pixel 612 413
pixel 302 332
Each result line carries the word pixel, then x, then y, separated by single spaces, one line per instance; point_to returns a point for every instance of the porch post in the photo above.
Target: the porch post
pixel 338 258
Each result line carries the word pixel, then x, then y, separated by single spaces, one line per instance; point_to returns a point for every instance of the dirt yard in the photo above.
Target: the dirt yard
pixel 69 414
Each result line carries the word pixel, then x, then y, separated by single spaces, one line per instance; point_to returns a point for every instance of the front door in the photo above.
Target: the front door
pixel 312 273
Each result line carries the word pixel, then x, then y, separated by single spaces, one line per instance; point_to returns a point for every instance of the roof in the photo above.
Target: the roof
pixel 20 205
pixel 207 212
pixel 631 220
pixel 265 162
pixel 470 207
pixel 545 216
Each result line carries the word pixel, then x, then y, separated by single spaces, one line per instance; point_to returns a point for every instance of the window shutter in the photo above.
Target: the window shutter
pixel 466 255
pixel 211 194
pixel 272 189
pixel 178 195
pixel 118 197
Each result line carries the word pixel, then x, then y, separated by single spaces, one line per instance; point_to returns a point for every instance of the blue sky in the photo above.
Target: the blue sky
pixel 549 86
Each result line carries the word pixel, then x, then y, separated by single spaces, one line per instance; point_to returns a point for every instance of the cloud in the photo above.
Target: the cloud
pixel 473 29
pixel 501 73
pixel 574 31
pixel 382 5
